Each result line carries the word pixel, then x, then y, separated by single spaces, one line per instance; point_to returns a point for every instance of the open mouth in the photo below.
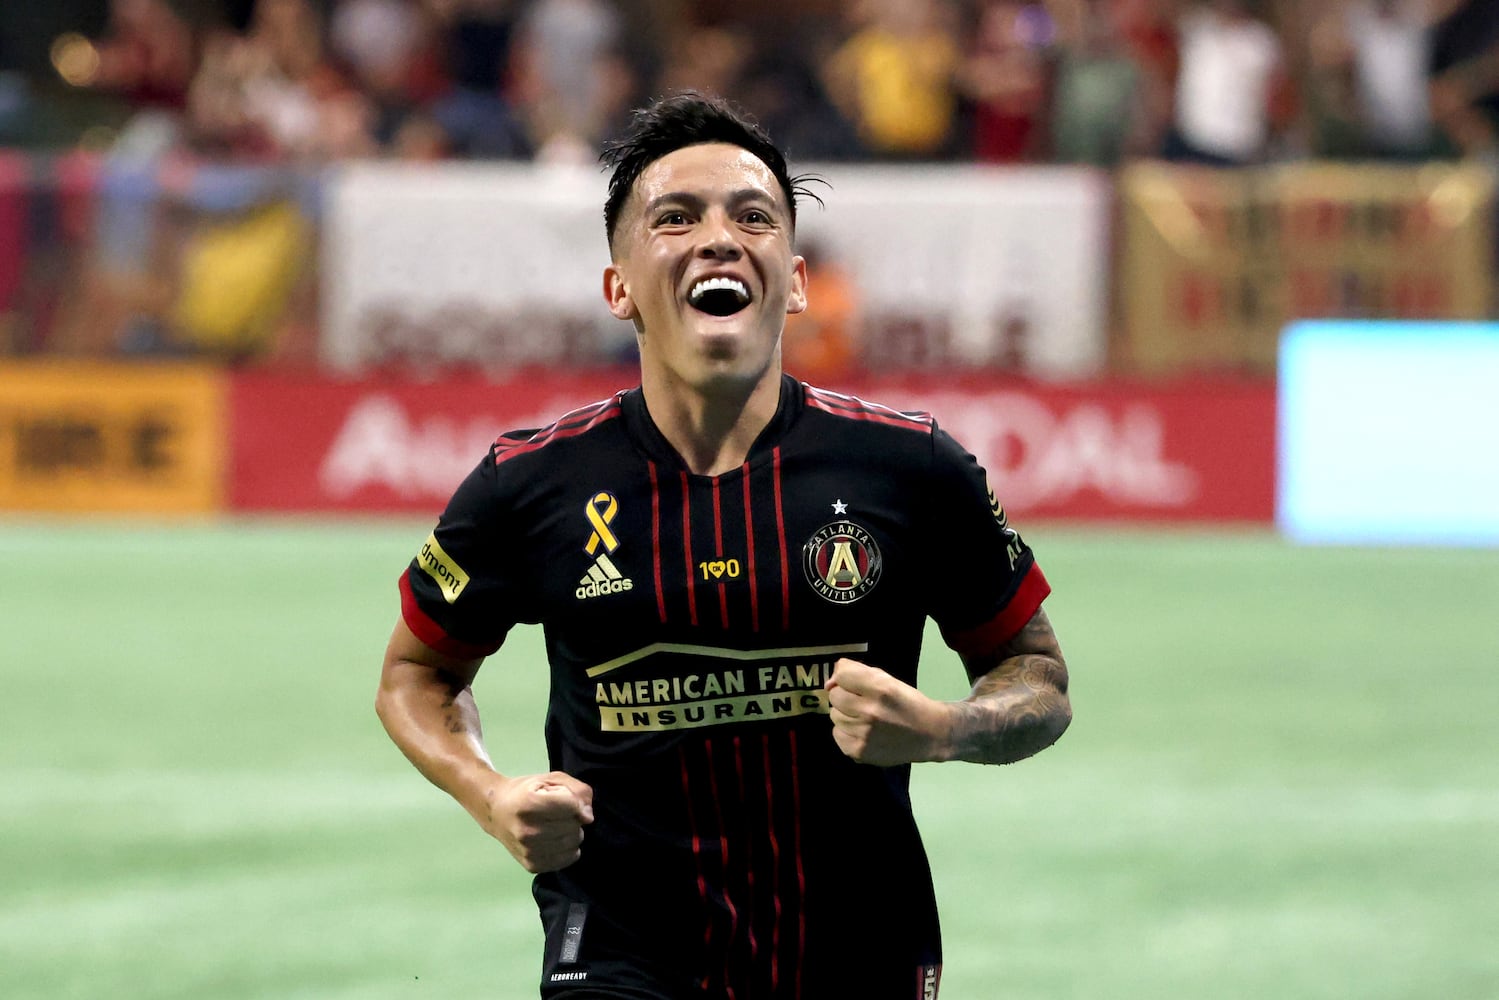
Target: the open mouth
pixel 719 296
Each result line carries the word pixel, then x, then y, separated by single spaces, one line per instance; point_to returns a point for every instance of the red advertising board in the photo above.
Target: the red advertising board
pixel 318 444
pixel 1191 452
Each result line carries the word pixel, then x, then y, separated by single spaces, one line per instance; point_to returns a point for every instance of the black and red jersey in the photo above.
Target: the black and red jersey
pixel 690 624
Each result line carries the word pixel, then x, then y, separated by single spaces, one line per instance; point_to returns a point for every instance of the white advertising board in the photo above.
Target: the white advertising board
pixel 491 267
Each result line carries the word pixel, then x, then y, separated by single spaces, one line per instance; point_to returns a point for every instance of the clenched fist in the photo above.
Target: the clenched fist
pixel 539 818
pixel 879 719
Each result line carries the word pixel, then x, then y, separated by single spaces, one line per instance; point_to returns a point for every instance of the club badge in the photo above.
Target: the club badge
pixel 842 562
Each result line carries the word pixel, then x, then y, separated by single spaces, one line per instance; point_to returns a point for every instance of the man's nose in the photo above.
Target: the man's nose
pixel 719 239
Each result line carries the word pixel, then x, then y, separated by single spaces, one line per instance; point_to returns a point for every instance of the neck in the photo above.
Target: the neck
pixel 712 430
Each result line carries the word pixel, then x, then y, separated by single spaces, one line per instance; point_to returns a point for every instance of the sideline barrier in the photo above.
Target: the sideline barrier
pixel 107 438
pixel 1202 451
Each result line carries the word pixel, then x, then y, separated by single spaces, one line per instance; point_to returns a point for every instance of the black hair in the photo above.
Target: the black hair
pixel 690 118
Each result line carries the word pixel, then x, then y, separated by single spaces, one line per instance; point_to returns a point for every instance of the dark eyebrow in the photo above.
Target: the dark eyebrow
pixel 746 195
pixel 694 203
pixel 682 198
pixel 749 196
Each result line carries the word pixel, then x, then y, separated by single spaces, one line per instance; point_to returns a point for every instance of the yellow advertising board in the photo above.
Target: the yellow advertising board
pixel 97 437
pixel 1215 262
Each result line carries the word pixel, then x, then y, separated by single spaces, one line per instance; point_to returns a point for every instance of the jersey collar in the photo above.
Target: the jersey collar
pixel 646 436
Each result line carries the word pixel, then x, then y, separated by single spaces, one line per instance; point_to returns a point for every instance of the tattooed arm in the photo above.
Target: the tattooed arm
pixel 1017 708
pixel 427 706
pixel 1018 705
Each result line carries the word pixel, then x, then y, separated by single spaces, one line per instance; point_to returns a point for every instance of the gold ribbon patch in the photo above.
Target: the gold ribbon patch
pixel 601 510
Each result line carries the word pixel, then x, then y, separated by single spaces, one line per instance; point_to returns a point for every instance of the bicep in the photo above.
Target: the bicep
pixel 1036 638
pixel 410 661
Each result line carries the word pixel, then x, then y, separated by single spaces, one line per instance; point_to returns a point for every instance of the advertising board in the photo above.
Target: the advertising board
pixel 1195 452
pixel 495 267
pixel 81 437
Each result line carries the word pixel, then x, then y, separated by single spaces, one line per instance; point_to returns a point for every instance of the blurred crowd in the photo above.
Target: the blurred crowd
pixel 159 181
pixel 1002 81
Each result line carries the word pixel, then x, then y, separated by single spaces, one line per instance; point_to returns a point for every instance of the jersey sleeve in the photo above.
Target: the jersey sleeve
pixel 463 591
pixel 984 580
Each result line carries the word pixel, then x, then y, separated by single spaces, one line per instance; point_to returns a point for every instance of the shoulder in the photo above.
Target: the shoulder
pixel 866 415
pixel 541 444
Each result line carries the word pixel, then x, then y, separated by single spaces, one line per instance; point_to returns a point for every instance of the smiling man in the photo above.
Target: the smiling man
pixel 733 571
pixel 703 265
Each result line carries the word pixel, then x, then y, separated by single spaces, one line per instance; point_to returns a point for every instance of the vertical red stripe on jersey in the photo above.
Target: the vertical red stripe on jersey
pixel 749 856
pixel 723 596
pixel 801 875
pixel 656 540
pixel 697 856
pixel 723 858
pixel 749 544
pixel 687 549
pixel 775 869
pixel 781 534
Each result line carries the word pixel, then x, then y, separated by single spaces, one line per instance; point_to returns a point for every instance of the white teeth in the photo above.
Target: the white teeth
pixel 718 284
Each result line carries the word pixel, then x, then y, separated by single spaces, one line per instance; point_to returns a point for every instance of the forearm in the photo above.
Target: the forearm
pixel 1013 712
pixel 435 722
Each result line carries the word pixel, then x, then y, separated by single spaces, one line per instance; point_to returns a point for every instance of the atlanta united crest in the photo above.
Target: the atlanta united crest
pixel 842 562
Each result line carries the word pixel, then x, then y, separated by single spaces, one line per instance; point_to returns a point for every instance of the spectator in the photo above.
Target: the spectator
pixel 711 59
pixel 1465 77
pixel 147 57
pixel 1369 64
pixel 476 118
pixel 1150 36
pixel 1100 111
pixel 821 344
pixel 894 78
pixel 1005 80
pixel 789 100
pixel 1233 93
pixel 387 47
pixel 569 78
pixel 148 54
pixel 277 92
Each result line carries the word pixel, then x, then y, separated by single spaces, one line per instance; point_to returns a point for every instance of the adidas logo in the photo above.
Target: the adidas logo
pixel 603 577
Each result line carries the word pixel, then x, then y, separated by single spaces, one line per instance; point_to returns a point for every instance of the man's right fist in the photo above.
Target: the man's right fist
pixel 539 818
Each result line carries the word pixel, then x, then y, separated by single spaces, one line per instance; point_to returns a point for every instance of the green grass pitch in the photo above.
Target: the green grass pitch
pixel 1282 781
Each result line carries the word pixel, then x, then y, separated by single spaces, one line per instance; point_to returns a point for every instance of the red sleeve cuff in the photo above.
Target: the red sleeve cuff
pixel 428 631
pixel 994 633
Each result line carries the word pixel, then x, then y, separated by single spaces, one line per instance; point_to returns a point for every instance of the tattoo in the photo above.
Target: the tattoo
pixel 1018 706
pixel 460 716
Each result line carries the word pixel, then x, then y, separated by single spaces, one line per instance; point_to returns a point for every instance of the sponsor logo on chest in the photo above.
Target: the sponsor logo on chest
pixel 603 577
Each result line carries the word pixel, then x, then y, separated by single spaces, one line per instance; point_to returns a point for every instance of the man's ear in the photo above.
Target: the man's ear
pixel 617 294
pixel 797 301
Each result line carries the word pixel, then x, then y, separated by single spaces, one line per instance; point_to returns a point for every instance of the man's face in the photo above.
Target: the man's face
pixel 703 267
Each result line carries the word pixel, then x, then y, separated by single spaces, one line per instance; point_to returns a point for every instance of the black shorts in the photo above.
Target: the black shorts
pixel 589 956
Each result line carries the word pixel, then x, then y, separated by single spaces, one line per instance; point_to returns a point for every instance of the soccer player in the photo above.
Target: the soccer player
pixel 733 570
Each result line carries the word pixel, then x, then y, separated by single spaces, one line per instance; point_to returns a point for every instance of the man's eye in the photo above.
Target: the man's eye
pixel 755 217
pixel 672 219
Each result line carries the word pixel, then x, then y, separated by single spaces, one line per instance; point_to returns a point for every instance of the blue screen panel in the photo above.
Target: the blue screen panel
pixel 1388 433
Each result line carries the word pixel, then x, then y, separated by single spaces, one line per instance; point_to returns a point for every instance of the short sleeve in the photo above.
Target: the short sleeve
pixel 984 583
pixel 461 593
